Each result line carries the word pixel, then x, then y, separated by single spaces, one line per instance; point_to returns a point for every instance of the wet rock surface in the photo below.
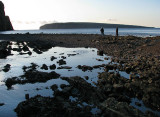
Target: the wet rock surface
pixel 140 57
pixel 31 77
pixel 84 67
pixel 77 99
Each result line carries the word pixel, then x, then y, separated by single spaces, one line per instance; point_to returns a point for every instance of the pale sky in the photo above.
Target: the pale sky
pixel 31 14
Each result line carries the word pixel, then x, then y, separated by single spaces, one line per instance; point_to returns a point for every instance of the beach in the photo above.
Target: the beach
pixel 137 56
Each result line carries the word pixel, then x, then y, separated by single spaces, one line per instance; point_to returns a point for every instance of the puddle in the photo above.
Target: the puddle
pixel 141 106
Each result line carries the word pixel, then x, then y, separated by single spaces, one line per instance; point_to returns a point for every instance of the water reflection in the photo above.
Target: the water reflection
pixel 73 58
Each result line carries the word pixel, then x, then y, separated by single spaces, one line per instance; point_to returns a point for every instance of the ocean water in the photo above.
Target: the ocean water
pixel 141 32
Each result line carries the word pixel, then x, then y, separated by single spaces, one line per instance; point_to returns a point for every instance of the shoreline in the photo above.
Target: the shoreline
pixel 140 44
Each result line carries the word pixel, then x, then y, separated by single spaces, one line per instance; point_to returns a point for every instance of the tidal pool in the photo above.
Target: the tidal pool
pixel 72 57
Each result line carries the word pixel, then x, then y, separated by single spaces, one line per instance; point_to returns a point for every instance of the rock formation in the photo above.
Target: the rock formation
pixel 5 23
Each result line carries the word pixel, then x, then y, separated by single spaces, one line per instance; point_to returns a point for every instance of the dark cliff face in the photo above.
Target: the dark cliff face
pixel 5 23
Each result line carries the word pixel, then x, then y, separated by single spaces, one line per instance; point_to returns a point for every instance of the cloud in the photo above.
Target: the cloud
pixel 47 22
pixel 112 20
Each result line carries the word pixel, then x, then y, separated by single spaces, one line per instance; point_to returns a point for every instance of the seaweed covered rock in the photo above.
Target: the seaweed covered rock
pixel 31 76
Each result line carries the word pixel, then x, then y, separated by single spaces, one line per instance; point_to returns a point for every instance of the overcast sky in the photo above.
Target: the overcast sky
pixel 30 14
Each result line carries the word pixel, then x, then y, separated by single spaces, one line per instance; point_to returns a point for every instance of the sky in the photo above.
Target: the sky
pixel 31 14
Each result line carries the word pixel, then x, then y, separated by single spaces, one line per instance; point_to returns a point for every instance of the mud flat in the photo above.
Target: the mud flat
pixel 112 94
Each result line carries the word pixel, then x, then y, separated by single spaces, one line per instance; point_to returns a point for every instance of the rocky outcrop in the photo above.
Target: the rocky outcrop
pixel 5 23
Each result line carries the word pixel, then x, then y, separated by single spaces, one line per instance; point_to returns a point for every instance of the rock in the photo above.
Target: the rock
pixel 63 86
pixel 63 57
pixel 122 108
pixel 137 103
pixel 31 76
pixel 54 87
pixel 61 54
pixel 96 66
pixel 150 114
pixel 4 51
pixel 52 67
pixel 99 60
pixel 29 53
pixel 39 106
pixel 86 77
pixel 64 67
pixel 40 46
pixel 100 52
pixel 27 33
pixel 118 87
pixel 84 67
pixel 128 70
pixel 37 51
pixel 61 62
pixel 71 55
pixel 1 104
pixel 6 68
pixel 5 23
pixel 27 96
pixel 109 67
pixel 25 48
pixel 10 81
pixel 44 66
pixel 52 58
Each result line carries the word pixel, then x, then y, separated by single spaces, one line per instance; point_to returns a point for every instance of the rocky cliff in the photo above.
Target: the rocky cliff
pixel 5 23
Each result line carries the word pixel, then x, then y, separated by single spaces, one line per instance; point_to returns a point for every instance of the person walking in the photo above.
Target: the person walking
pixel 102 31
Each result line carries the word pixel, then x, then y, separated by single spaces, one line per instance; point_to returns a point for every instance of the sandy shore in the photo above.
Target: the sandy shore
pixel 135 55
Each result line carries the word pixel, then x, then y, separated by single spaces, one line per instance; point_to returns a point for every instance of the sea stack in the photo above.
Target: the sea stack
pixel 5 23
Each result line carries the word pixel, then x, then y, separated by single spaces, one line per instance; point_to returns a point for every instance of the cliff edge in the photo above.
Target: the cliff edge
pixel 5 23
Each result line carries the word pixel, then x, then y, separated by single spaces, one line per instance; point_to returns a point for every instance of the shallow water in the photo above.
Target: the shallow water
pixel 74 57
pixel 11 98
pixel 142 108
pixel 141 32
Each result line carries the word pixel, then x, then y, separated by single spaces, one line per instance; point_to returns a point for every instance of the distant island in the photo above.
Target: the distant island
pixel 80 25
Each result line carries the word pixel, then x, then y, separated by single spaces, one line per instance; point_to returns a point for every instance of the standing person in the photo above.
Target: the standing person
pixel 102 31
pixel 117 31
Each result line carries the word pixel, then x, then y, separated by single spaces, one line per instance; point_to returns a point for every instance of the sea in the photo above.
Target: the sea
pixel 140 32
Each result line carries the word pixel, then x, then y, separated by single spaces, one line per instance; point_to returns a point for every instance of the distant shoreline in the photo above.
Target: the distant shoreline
pixel 87 25
pixel 139 32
